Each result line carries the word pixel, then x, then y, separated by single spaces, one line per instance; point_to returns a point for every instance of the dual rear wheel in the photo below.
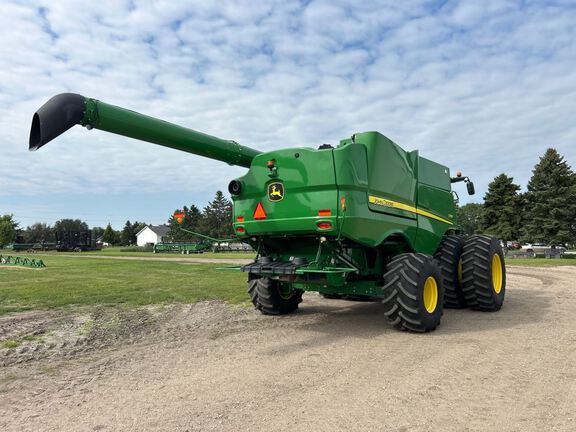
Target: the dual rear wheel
pixel 473 272
pixel 468 273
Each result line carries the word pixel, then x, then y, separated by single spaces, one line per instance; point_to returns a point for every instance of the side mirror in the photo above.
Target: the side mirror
pixel 470 187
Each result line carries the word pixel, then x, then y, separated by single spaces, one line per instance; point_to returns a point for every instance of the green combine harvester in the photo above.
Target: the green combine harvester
pixel 364 218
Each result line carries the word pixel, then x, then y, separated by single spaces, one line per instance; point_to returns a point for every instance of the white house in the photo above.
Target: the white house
pixel 151 235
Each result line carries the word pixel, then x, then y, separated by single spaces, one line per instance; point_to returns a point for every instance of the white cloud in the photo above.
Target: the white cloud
pixel 481 86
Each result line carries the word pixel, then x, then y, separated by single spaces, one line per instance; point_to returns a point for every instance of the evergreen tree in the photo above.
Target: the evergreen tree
pixel 192 221
pixel 136 228
pixel 109 235
pixel 127 235
pixel 502 211
pixel 468 218
pixel 551 201
pixel 217 217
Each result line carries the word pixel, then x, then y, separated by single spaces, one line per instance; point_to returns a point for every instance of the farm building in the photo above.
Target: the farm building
pixel 151 234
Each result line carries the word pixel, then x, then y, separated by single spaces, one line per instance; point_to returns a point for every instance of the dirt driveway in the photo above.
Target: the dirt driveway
pixel 335 365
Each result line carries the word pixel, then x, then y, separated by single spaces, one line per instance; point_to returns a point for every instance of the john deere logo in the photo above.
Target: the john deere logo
pixel 275 191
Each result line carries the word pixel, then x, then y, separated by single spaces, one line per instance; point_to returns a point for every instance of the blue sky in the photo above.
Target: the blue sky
pixel 481 86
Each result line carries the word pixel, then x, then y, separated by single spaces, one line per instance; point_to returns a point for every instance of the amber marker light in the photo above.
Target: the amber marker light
pixel 179 217
pixel 240 219
pixel 324 212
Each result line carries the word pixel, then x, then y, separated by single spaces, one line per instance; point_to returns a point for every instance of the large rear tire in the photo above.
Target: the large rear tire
pixel 413 293
pixel 271 297
pixel 448 255
pixel 483 273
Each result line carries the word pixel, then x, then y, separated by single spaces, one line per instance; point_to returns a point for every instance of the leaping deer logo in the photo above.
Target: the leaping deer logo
pixel 275 191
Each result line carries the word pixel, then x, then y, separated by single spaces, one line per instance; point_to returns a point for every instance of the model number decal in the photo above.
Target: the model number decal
pixel 394 204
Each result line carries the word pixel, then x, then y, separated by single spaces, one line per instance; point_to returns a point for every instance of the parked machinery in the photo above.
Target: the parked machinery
pixel 364 218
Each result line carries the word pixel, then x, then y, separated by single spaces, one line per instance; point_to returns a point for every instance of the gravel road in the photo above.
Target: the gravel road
pixel 334 365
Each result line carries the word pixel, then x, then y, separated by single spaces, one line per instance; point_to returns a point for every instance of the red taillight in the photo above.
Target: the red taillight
pixel 324 212
pixel 240 219
pixel 324 225
pixel 259 213
pixel 240 230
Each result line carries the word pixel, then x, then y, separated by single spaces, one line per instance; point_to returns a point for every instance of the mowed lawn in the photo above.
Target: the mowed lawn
pixel 540 262
pixel 117 251
pixel 73 280
pixel 68 281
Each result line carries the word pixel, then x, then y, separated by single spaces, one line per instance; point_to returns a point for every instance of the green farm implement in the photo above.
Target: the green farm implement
pixel 182 248
pixel 364 218
pixel 12 260
pixel 206 244
pixel 31 247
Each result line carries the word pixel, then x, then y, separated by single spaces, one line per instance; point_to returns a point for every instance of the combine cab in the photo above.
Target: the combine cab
pixel 364 219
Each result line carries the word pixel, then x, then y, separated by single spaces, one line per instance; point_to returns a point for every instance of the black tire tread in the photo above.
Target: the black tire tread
pixel 476 273
pixel 401 291
pixel 266 298
pixel 447 256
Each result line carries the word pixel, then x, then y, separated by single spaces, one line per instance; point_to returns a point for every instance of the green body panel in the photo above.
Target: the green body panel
pixel 388 210
pixel 309 186
pixel 333 217
pixel 371 166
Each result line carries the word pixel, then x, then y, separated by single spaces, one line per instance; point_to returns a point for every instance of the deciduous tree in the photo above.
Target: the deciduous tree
pixel 468 218
pixel 39 232
pixel 8 227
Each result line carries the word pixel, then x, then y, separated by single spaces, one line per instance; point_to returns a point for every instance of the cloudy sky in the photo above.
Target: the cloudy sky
pixel 482 86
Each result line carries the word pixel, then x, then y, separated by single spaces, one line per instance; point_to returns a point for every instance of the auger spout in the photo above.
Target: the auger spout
pixel 68 109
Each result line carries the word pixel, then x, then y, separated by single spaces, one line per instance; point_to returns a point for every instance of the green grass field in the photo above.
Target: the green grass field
pixel 540 262
pixel 116 251
pixel 68 281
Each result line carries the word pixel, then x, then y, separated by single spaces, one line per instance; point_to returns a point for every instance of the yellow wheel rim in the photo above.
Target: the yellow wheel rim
pixel 285 292
pixel 430 294
pixel 496 273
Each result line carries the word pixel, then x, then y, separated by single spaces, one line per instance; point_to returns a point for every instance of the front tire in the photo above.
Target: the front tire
pixel 271 297
pixel 413 293
pixel 483 273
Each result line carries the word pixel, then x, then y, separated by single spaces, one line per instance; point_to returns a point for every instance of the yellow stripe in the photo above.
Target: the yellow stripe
pixel 395 204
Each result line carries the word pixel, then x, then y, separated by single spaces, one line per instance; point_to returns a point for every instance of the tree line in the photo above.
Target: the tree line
pixel 545 213
pixel 215 220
